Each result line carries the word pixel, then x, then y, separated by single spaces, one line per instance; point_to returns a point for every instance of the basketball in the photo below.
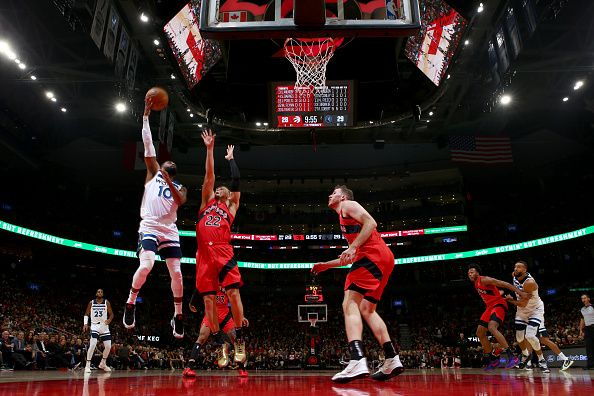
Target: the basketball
pixel 160 98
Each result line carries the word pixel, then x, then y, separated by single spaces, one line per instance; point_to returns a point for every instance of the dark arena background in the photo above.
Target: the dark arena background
pixel 464 128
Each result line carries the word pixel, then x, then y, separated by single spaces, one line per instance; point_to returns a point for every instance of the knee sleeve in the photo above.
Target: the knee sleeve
pixel 520 335
pixel 531 336
pixel 177 283
pixel 147 261
pixel 107 348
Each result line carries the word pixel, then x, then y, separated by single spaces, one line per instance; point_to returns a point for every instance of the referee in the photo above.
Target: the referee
pixel 587 329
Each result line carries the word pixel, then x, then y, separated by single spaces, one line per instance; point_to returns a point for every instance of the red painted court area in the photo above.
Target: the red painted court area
pixel 412 382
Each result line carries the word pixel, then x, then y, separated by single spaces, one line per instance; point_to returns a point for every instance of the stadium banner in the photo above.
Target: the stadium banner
pixel 277 266
pixel 577 354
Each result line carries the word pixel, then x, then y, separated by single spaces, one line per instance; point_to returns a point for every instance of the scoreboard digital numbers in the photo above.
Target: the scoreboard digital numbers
pixel 295 108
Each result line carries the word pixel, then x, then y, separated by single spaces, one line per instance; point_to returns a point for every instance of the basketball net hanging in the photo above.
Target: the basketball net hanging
pixel 309 57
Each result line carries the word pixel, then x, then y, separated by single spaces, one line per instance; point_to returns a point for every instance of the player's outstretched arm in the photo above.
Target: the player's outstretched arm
pixel 150 156
pixel 320 267
pixel 504 285
pixel 209 177
pixel 355 211
pixel 235 176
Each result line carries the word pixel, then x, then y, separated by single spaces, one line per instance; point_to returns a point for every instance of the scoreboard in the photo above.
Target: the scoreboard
pixel 296 108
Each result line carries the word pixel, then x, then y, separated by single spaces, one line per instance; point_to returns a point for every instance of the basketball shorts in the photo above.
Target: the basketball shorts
pixel 216 266
pixel 101 331
pixel 369 275
pixel 226 323
pixel 494 313
pixel 533 318
pixel 159 238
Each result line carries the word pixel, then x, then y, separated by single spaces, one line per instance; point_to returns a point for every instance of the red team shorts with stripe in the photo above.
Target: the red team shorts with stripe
pixel 216 266
pixel 227 327
pixel 495 312
pixel 370 273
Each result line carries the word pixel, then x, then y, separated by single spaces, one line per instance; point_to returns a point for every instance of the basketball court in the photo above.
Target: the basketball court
pixel 412 382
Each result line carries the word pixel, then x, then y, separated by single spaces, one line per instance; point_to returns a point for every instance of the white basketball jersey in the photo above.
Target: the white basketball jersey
pixel 98 312
pixel 534 303
pixel 158 205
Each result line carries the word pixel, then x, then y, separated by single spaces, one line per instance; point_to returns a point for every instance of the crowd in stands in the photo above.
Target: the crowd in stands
pixel 41 321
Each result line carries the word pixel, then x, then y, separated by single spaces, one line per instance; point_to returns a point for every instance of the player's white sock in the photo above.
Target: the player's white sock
pixel 525 352
pixel 132 297
pixel 562 356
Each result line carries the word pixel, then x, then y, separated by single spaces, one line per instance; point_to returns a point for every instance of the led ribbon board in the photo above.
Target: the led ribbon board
pixel 581 232
pixel 300 237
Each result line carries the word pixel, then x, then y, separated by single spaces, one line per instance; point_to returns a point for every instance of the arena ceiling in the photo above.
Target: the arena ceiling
pixel 53 39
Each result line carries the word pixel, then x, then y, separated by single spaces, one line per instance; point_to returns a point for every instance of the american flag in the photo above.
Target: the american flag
pixel 481 149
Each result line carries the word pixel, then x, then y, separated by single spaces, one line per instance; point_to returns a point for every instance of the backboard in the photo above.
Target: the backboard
pixel 309 311
pixel 263 19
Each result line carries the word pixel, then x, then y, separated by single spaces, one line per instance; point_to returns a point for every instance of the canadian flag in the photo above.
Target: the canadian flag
pixel 234 16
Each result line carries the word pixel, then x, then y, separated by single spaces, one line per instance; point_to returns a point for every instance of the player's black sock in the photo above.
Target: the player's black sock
pixel 194 355
pixel 239 333
pixel 389 350
pixel 356 349
pixel 218 338
pixel 508 352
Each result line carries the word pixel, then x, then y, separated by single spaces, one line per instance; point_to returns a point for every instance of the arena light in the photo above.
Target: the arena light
pixel 22 66
pixel 49 94
pixel 4 47
pixel 63 110
pixel 10 54
pixel 54 99
pixel 578 85
pixel 565 99
pixel 199 126
pixel 156 42
pixel 505 100
pixel 581 232
pixel 430 113
pixel 172 76
pixel 258 124
pixel 265 123
pixel 17 61
pixel 480 8
pixel 466 42
pixel 188 110
pixel 144 18
pixel 120 107
pixel 33 77
pixel 191 115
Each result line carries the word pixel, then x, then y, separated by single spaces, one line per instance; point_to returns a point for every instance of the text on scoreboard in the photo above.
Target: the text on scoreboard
pixel 331 106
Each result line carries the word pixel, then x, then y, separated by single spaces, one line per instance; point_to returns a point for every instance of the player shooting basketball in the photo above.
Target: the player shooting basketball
pixel 158 231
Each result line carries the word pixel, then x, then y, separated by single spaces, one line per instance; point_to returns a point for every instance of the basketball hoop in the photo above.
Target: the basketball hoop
pixel 312 318
pixel 309 57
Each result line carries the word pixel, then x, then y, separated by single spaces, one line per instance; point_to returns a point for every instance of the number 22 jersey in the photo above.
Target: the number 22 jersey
pixel 214 223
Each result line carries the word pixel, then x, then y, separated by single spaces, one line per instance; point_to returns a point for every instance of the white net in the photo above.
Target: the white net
pixel 309 57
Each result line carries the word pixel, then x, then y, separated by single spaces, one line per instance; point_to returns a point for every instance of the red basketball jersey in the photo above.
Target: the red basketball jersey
pixel 214 223
pixel 490 294
pixel 222 304
pixel 372 246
